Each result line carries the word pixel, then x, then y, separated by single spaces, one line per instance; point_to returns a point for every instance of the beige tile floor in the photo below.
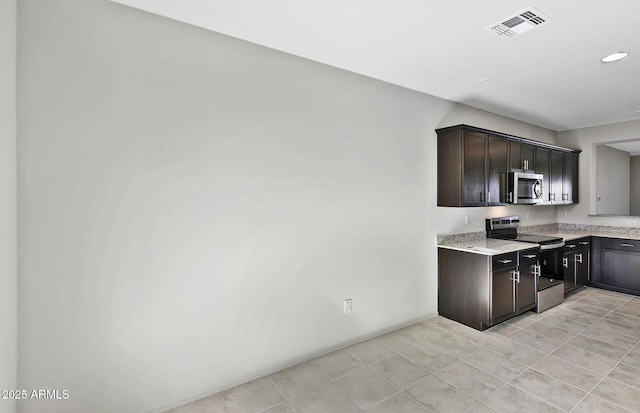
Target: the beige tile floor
pixel 582 356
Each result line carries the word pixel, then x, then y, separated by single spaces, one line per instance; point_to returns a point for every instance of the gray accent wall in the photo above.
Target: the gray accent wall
pixel 8 199
pixel 634 172
pixel 194 209
pixel 587 139
pixel 612 181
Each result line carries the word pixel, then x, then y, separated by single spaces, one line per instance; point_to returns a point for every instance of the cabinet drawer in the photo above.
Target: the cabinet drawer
pixel 503 261
pixel 528 258
pixel 620 244
pixel 576 244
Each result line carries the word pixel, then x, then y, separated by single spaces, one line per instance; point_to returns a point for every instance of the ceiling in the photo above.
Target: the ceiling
pixel 549 76
pixel 633 147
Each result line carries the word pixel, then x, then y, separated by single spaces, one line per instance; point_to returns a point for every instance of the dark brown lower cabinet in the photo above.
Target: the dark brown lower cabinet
pixel 576 264
pixel 503 294
pixel 583 266
pixel 481 291
pixel 615 264
pixel 528 273
pixel 569 271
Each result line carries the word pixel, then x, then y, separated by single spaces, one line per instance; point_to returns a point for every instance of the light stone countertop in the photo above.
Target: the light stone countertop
pixel 478 244
pixel 488 246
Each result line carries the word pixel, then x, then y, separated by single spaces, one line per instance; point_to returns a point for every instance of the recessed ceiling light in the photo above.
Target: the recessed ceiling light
pixel 613 57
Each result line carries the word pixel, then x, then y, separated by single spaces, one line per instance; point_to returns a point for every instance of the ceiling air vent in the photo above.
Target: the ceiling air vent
pixel 520 22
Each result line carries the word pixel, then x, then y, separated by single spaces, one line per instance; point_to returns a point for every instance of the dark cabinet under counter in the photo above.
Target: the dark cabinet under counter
pixel 482 291
pixel 576 263
pixel 616 264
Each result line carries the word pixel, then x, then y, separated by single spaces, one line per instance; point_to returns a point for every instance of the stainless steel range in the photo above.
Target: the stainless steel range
pixel 550 277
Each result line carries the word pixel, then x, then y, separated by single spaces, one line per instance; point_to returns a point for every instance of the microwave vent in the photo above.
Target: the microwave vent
pixel 520 22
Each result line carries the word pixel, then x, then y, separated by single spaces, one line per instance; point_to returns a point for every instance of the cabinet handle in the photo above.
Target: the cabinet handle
pixel 537 270
pixel 505 261
pixel 624 244
pixel 525 164
pixel 565 262
pixel 529 256
pixel 579 258
pixel 552 196
pixel 584 243
pixel 488 196
pixel 570 246
pixel 516 276
pixel 510 197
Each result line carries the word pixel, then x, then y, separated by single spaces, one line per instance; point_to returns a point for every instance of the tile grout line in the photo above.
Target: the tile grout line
pixel 550 353
pixel 442 331
pixel 617 363
pixel 430 372
pixel 286 399
pixel 607 375
pixel 532 395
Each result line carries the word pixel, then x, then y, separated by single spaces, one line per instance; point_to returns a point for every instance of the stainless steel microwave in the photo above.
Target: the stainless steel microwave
pixel 521 188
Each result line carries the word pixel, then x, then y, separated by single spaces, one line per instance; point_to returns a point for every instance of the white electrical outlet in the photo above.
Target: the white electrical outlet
pixel 564 214
pixel 347 305
pixel 467 219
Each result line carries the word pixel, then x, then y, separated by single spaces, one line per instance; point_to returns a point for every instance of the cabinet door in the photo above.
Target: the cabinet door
pixel 515 155
pixel 620 268
pixel 570 178
pixel 475 169
pixel 528 156
pixel 503 295
pixel 569 271
pixel 526 287
pixel 583 267
pixel 498 155
pixel 596 267
pixel 555 177
pixel 543 166
pixel 521 155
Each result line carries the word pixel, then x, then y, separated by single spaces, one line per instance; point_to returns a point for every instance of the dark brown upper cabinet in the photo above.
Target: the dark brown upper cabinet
pixel 521 155
pixel 498 158
pixel 472 164
pixel 570 178
pixel 556 178
pixel 543 166
pixel 474 169
pixel 563 178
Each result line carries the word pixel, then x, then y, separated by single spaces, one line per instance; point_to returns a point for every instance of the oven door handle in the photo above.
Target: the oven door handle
pixel 551 246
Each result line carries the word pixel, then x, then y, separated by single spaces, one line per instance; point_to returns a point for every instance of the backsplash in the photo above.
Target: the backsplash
pixel 459 238
pixel 539 228
pixel 592 229
pixel 633 231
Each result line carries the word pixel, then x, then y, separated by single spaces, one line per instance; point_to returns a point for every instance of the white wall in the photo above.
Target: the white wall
pixel 194 208
pixel 586 139
pixel 612 181
pixel 8 273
